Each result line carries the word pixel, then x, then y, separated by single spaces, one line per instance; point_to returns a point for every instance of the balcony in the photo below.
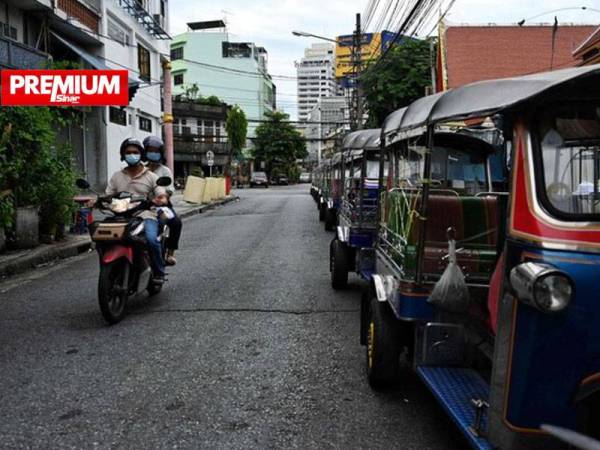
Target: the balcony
pixel 153 23
pixel 200 110
pixel 14 55
pixel 192 147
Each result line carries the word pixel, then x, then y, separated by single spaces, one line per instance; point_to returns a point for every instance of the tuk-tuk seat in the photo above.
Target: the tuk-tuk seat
pixel 474 220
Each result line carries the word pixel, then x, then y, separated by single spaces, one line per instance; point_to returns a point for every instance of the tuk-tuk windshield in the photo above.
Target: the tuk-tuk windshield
pixel 569 140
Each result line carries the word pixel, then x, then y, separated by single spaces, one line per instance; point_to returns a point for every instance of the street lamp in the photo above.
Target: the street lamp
pixel 305 34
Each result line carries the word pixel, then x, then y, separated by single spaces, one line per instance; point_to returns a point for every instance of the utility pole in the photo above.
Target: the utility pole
pixel 357 101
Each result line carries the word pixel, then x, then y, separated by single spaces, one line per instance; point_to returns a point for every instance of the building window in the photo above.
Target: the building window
pixel 145 124
pixel 117 115
pixel 178 79
pixel 116 33
pixel 184 128
pixel 176 53
pixel 144 63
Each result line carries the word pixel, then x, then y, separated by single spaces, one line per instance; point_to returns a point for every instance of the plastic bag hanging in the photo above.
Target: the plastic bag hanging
pixel 451 292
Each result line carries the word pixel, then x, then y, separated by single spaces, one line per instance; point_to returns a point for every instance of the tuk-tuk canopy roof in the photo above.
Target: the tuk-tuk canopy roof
pixel 479 99
pixel 349 139
pixel 362 139
pixel 366 137
pixel 392 122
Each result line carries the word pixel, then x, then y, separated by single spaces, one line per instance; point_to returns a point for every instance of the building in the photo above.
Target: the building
pixel 474 53
pixel 328 118
pixel 95 34
pixel 316 77
pixel 235 72
pixel 588 52
pixel 372 45
pixel 197 129
pixel 136 39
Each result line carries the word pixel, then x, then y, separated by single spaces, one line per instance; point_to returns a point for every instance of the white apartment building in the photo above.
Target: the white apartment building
pixel 328 117
pixel 98 34
pixel 137 40
pixel 316 77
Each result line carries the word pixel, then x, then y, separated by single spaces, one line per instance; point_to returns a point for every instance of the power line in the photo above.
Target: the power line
pixel 239 71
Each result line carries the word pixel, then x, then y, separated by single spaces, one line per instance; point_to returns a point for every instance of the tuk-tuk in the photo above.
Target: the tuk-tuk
pixel 320 186
pixel 317 184
pixel 352 247
pixel 331 199
pixel 486 259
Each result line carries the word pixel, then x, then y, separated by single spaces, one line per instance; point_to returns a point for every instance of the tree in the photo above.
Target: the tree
pixel 399 81
pixel 278 143
pixel 237 128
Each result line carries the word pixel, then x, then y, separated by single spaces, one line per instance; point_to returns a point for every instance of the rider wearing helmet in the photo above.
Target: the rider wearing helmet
pixel 155 157
pixel 136 179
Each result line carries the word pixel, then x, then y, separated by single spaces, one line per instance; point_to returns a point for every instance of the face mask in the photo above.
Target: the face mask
pixel 132 159
pixel 153 156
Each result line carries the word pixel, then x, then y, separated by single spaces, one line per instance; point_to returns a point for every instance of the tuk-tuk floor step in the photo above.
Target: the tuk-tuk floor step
pixel 457 389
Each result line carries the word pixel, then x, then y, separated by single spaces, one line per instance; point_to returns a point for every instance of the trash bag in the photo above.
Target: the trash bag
pixel 451 292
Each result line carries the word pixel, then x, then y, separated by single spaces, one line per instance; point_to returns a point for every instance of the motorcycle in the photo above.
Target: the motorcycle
pixel 125 269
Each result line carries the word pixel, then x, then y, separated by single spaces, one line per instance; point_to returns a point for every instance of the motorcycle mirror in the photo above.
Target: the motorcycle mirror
pixel 164 181
pixel 82 184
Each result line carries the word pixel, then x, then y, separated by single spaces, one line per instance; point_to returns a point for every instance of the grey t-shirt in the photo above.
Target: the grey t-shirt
pixel 163 171
pixel 143 183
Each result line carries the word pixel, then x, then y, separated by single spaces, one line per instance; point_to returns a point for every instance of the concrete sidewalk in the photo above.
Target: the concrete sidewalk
pixel 18 261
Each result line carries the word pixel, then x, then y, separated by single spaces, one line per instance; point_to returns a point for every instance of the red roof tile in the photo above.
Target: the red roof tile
pixel 475 53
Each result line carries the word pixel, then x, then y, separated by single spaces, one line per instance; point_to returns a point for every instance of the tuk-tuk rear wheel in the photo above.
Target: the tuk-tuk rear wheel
pixel 383 344
pixel 339 265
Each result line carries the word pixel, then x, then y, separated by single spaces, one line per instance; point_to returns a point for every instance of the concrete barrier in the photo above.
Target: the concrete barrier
pixel 195 188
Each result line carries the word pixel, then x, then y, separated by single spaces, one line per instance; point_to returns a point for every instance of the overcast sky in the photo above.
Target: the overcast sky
pixel 269 23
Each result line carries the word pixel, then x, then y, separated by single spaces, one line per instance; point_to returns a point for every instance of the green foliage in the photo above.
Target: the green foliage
pixel 399 81
pixel 192 94
pixel 237 129
pixel 278 143
pixel 34 168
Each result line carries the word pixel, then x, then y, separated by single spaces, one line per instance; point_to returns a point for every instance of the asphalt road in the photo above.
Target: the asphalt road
pixel 246 347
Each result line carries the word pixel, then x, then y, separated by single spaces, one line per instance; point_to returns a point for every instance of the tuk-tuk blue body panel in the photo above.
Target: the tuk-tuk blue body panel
pixel 553 354
pixel 361 239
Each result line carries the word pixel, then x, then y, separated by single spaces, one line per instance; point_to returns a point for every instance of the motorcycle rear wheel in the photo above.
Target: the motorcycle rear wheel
pixel 111 296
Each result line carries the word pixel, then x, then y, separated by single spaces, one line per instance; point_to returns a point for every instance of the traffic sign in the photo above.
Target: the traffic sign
pixel 210 158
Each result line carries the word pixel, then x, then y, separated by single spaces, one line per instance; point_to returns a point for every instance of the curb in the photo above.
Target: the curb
pixel 199 209
pixel 45 254
pixel 53 252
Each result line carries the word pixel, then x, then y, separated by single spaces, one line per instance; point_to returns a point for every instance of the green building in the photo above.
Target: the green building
pixel 236 72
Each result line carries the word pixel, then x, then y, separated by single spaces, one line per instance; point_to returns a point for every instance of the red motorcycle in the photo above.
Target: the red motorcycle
pixel 125 269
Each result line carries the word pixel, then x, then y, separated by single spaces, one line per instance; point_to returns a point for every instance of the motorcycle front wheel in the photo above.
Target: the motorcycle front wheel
pixel 112 295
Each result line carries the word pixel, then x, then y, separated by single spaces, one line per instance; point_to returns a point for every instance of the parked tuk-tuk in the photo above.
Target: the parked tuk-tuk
pixel 321 186
pixel 331 199
pixel 352 247
pixel 487 258
pixel 316 184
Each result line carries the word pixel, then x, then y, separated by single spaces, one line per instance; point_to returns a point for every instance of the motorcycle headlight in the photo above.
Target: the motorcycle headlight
pixel 542 286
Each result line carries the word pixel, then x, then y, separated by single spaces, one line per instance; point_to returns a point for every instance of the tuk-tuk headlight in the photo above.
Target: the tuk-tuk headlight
pixel 541 286
pixel 552 293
